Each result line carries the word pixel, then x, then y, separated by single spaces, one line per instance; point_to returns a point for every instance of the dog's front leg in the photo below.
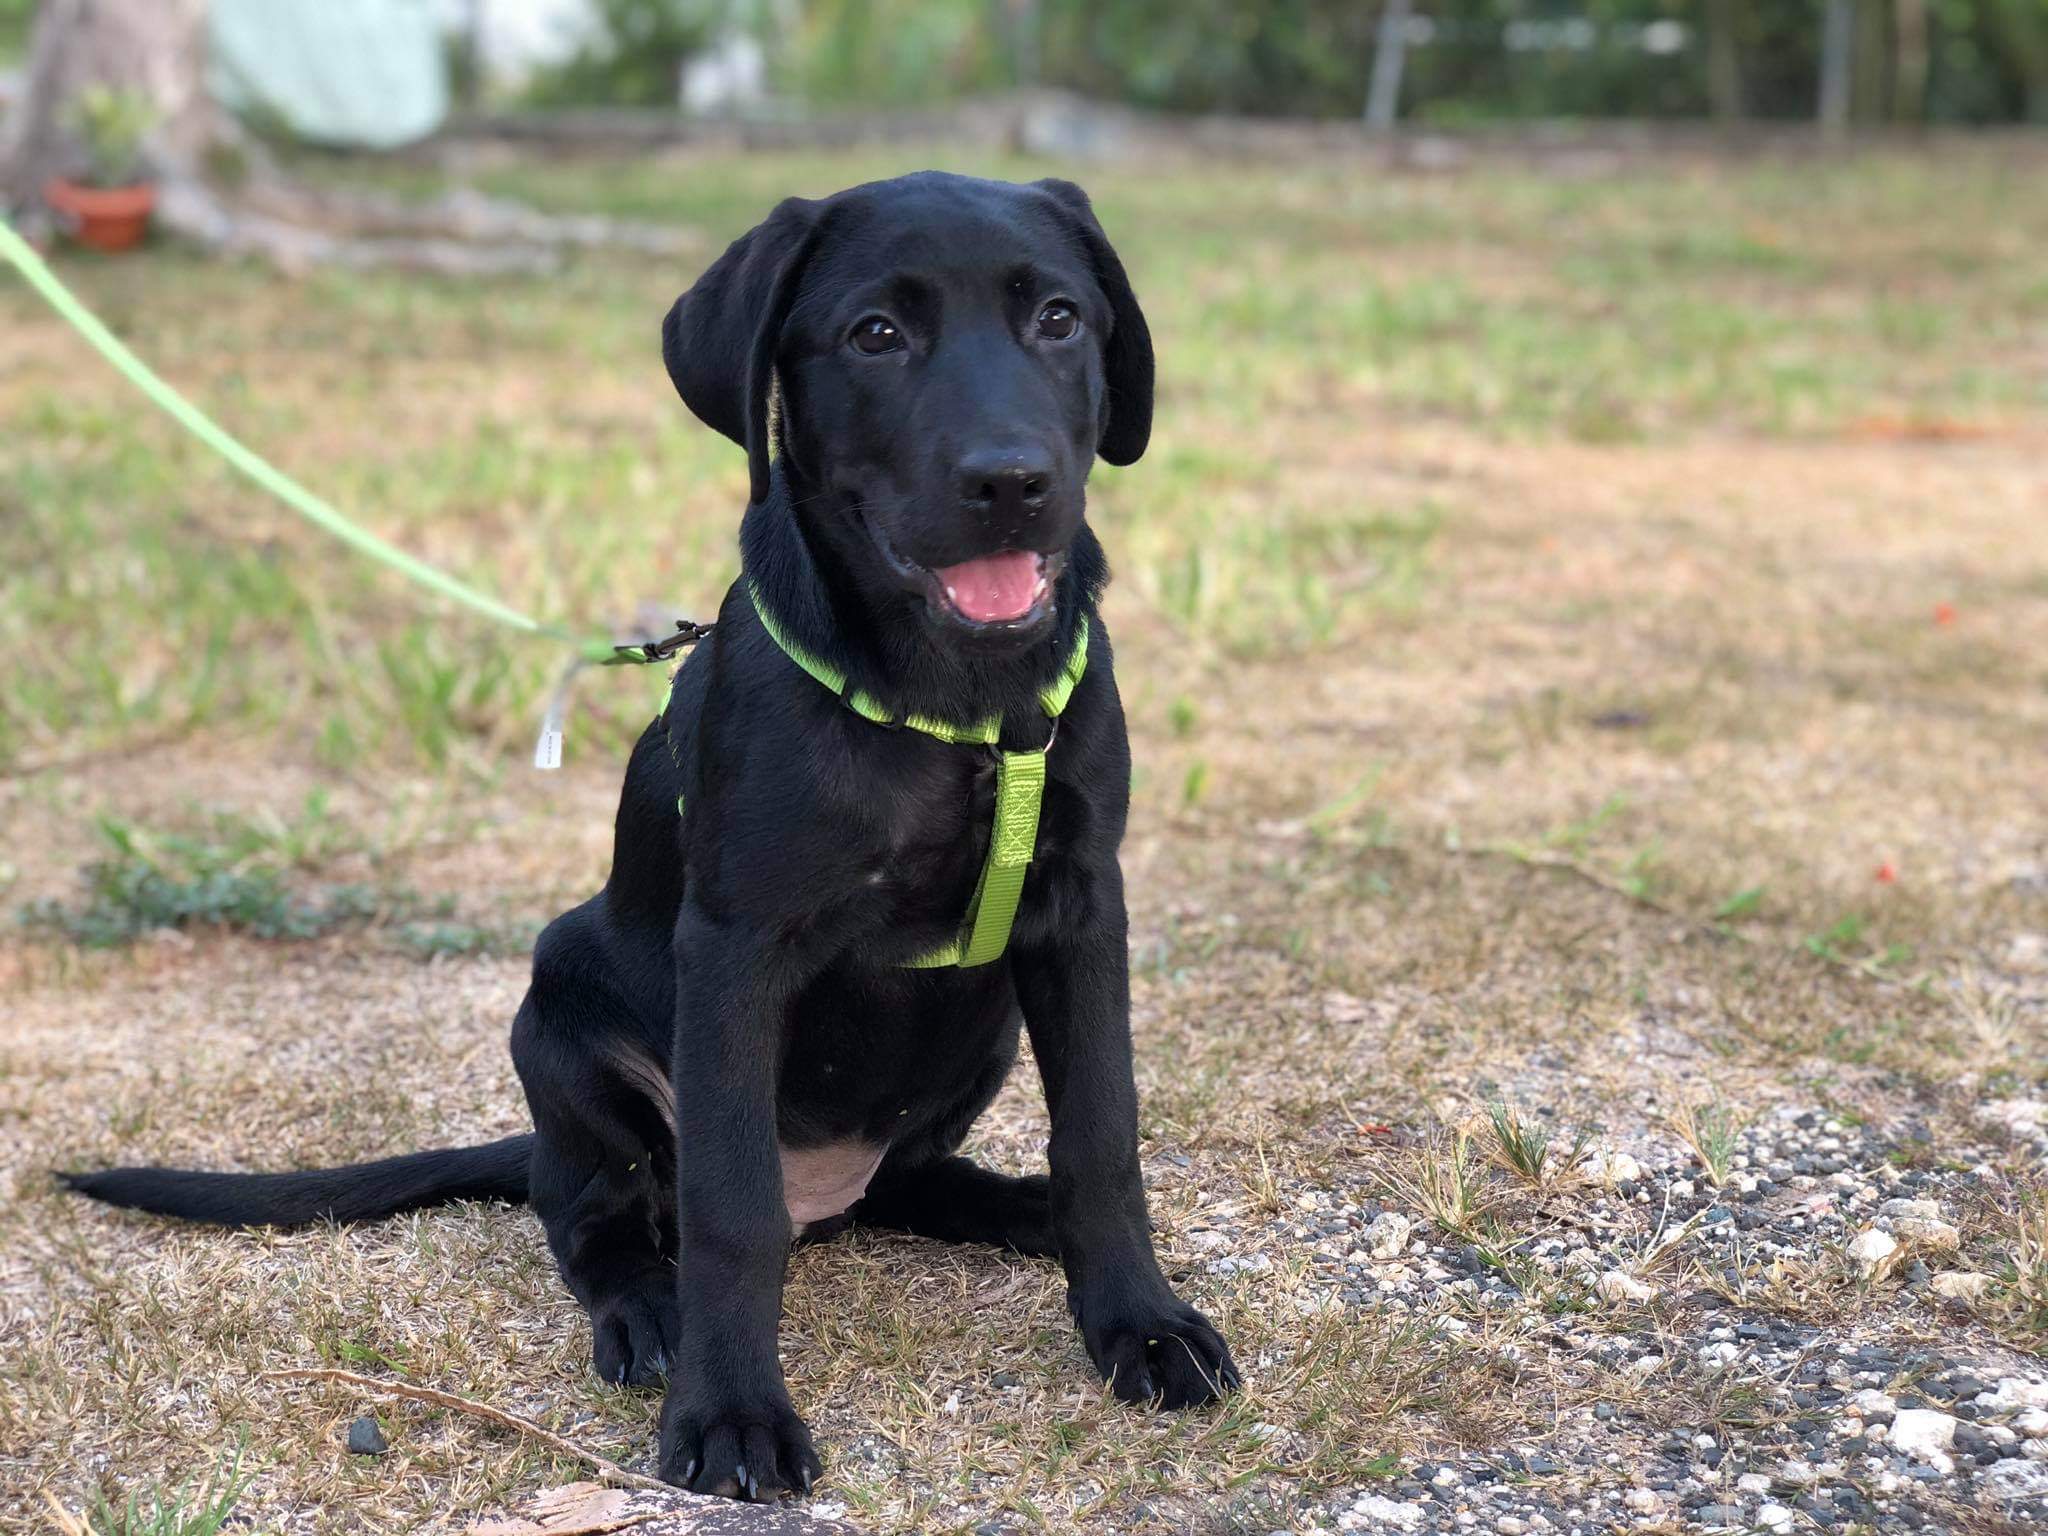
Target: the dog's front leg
pixel 728 1426
pixel 1075 990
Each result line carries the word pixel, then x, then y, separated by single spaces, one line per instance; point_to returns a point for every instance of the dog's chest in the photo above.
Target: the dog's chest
pixel 820 1182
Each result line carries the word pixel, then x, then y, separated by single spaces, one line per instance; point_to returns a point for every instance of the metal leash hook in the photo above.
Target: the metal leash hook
pixel 547 751
pixel 687 633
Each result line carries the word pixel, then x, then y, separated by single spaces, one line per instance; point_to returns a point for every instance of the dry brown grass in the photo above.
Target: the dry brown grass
pixel 1728 641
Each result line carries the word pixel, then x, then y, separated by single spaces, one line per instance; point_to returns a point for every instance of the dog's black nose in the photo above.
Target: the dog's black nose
pixel 1005 483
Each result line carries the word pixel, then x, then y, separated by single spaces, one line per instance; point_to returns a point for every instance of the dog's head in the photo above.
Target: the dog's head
pixel 951 354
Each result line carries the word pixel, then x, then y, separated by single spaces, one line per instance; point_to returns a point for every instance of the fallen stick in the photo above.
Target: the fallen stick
pixel 1869 968
pixel 610 1471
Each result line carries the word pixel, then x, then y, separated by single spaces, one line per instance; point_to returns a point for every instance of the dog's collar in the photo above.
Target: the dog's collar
pixel 1020 787
pixel 1052 698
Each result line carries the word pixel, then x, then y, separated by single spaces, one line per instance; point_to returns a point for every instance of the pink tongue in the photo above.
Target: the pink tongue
pixel 993 588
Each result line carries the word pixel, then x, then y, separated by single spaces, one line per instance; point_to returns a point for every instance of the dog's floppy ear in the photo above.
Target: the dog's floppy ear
pixel 720 338
pixel 1127 354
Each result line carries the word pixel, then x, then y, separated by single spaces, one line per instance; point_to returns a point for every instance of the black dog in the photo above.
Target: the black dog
pixel 764 1024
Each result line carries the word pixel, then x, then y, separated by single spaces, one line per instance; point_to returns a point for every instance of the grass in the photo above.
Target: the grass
pixel 1525 1147
pixel 244 874
pixel 192 1509
pixel 1443 1179
pixel 1583 642
pixel 1712 1132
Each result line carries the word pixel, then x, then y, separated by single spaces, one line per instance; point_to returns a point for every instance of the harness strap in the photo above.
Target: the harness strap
pixel 1020 789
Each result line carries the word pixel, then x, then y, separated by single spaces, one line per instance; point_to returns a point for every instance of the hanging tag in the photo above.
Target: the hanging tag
pixel 547 751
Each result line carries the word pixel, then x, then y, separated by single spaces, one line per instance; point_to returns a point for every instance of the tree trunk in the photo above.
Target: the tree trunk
pixel 1724 63
pixel 1909 61
pixel 1837 42
pixel 2022 30
pixel 1870 92
pixel 154 48
pixel 1389 56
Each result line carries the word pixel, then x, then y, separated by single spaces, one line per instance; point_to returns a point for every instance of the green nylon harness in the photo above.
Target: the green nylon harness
pixel 1020 787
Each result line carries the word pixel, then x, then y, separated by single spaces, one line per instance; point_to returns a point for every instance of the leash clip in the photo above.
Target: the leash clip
pixel 687 633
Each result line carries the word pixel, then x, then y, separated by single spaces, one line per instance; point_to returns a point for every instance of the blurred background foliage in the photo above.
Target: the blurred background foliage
pixel 1948 61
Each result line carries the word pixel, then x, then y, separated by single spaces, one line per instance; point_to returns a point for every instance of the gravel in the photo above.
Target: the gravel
pixel 1889 1413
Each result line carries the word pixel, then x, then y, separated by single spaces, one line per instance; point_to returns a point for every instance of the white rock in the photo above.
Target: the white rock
pixel 2035 1450
pixel 2022 1117
pixel 1387 1237
pixel 1606 1167
pixel 1718 1357
pixel 1775 1517
pixel 1250 1264
pixel 1681 1189
pixel 1923 1210
pixel 2032 1423
pixel 1936 1235
pixel 1923 1432
pixel 2015 1480
pixel 1644 1501
pixel 1873 1404
pixel 2015 1392
pixel 1388 1512
pixel 1798 1474
pixel 1208 1240
pixel 1870 1248
pixel 1511 1525
pixel 1963 1286
pixel 1753 1482
pixel 1618 1286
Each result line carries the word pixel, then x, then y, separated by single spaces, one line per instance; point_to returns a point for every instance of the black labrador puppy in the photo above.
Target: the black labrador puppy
pixel 805 977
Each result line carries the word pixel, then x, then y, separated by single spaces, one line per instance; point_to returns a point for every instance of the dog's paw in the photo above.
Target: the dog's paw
pixel 1174 1358
pixel 633 1332
pixel 735 1450
pixel 1028 1220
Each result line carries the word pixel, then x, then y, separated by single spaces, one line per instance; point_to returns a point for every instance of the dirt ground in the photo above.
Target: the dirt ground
pixel 1680 797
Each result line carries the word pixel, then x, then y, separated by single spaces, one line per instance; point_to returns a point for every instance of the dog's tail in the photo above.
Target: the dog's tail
pixel 362 1192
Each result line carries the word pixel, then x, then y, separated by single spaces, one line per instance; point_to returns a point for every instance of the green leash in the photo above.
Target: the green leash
pixel 317 511
pixel 1020 776
pixel 1020 788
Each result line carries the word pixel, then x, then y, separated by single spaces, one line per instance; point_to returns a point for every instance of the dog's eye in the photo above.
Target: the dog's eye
pixel 1058 321
pixel 876 335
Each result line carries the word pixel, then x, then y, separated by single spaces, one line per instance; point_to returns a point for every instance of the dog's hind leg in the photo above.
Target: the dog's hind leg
pixel 602 1178
pixel 958 1201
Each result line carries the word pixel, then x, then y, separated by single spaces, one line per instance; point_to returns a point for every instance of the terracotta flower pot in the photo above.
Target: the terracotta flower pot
pixel 105 218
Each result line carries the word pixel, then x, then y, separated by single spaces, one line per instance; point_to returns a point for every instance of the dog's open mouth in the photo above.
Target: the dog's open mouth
pixel 1007 591
pixel 996 589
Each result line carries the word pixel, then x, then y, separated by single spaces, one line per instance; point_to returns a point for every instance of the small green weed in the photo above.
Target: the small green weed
pixel 1446 1183
pixel 1713 1132
pixel 188 1511
pixel 152 881
pixel 1744 903
pixel 1846 942
pixel 1524 1147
